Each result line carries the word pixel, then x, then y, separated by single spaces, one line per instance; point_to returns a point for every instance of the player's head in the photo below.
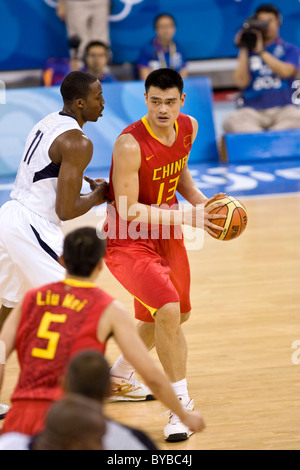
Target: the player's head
pixel 165 27
pixel 164 78
pixel 272 15
pixel 164 96
pixel 73 423
pixel 83 252
pixel 88 374
pixel 82 93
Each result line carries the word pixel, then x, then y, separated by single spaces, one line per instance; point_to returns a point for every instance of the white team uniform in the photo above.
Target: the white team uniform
pixel 30 236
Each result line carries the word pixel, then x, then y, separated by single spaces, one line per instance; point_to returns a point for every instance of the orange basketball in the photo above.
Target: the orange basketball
pixel 236 220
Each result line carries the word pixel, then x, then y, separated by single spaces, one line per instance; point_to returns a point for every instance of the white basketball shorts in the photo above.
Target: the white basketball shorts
pixel 29 249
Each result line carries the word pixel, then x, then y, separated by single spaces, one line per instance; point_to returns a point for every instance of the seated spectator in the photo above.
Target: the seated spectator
pixel 96 59
pixel 162 51
pixel 57 69
pixel 265 74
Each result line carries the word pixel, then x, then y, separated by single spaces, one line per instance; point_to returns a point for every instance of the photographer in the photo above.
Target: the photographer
pixel 267 67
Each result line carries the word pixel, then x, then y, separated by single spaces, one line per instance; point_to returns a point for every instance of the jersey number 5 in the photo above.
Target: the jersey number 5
pixel 51 336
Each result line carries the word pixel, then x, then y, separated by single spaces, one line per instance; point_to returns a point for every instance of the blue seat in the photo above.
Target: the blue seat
pixel 267 145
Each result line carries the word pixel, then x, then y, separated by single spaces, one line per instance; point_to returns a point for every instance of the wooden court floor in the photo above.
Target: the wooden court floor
pixel 246 310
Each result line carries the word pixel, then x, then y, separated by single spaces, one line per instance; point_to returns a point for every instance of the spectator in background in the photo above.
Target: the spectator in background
pixel 162 51
pixel 56 69
pixel 265 75
pixel 87 19
pixel 96 59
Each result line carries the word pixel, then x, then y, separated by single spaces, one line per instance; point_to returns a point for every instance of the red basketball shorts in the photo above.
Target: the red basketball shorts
pixel 155 272
pixel 26 416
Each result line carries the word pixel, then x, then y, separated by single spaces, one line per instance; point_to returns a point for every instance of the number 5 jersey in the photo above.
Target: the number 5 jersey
pixel 57 321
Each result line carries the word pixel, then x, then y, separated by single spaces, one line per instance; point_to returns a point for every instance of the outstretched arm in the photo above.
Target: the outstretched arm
pixel 73 150
pixel 117 321
pixel 8 338
pixel 127 162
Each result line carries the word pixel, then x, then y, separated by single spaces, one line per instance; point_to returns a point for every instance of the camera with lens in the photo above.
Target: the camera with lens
pixel 248 36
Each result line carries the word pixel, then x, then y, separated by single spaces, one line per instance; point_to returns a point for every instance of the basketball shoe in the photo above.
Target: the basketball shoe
pixel 129 389
pixel 175 430
pixel 3 410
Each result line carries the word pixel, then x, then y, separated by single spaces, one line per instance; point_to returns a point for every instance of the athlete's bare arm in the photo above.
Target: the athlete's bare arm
pixel 127 162
pixel 117 321
pixel 73 151
pixel 8 337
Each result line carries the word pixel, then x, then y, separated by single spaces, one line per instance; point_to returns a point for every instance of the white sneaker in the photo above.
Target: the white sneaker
pixel 175 430
pixel 3 410
pixel 129 389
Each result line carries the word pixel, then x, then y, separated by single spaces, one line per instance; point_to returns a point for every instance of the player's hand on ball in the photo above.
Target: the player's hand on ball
pixel 99 186
pixel 214 198
pixel 200 217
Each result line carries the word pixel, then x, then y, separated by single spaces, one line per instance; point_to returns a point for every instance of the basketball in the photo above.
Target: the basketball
pixel 236 220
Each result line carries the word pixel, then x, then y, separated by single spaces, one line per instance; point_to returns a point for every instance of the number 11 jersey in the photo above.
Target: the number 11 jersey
pixel 36 182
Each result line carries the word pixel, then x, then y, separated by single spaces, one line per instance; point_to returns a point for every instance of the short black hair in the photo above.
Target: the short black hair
pixel 95 44
pixel 88 374
pixel 82 251
pixel 76 85
pixel 164 78
pixel 268 8
pixel 162 15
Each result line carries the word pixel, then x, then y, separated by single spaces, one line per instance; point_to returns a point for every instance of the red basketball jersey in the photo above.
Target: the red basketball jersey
pixel 57 321
pixel 161 165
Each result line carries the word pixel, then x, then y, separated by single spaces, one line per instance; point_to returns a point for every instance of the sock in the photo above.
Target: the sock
pixel 180 388
pixel 122 368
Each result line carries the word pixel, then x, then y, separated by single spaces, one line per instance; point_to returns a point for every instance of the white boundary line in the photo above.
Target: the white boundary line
pixel 267 196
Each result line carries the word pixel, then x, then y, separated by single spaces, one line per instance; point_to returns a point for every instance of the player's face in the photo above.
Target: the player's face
pixel 94 103
pixel 164 105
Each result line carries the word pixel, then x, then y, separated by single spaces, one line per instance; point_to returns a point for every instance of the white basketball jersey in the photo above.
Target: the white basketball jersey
pixel 36 182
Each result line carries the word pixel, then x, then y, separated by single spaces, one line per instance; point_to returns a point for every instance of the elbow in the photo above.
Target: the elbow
pixel 242 83
pixel 62 214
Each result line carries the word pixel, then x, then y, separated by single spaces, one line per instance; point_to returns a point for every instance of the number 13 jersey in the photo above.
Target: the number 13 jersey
pixel 161 165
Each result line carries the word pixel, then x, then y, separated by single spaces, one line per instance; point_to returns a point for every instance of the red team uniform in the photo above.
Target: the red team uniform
pixel 57 321
pixel 151 262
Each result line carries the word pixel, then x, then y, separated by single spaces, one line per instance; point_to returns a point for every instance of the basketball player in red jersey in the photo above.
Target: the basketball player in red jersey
pixel 149 165
pixel 58 320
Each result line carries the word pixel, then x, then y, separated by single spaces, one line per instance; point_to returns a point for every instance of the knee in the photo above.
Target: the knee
pixel 168 317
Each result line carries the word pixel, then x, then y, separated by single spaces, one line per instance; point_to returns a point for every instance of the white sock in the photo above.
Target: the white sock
pixel 180 388
pixel 122 368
